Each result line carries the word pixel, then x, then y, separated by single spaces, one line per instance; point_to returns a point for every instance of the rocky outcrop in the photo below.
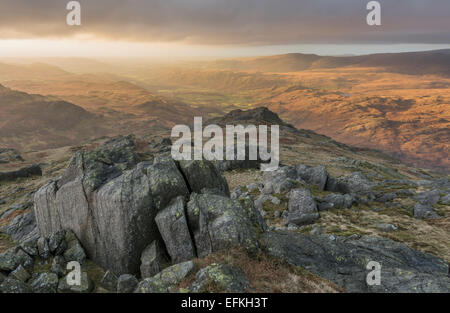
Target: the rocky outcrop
pixel 117 206
pixel 344 262
pixel 334 201
pixel 32 170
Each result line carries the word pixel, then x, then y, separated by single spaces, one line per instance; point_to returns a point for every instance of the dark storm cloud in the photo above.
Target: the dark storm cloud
pixel 232 21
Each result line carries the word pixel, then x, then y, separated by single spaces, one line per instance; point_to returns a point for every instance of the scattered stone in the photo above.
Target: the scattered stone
pixel 260 201
pixel 280 180
pixel 25 260
pixel 153 259
pixel 428 197
pixel 109 281
pixel 75 252
pixel 45 283
pixel 386 197
pixel 57 242
pixel 446 199
pixel 151 285
pixel 237 192
pixel 172 275
pixel 11 285
pixel 387 227
pixel 302 208
pixel 405 193
pixel 30 247
pixel 275 200
pixel 21 274
pixel 43 248
pixel 9 261
pixel 255 187
pixel 292 227
pixel 59 266
pixel 425 212
pixel 313 175
pixel 335 200
pixel 126 283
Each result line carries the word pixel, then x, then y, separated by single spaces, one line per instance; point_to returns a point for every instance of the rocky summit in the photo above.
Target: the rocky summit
pixel 138 221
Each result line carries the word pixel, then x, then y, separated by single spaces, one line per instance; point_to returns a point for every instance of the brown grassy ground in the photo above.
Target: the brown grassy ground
pixel 266 274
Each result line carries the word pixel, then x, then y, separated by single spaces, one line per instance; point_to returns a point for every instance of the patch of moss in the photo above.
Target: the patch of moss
pixel 5 242
pixel 396 212
pixel 42 266
pixel 305 229
pixel 402 236
pixel 317 192
pixel 282 197
pixel 270 208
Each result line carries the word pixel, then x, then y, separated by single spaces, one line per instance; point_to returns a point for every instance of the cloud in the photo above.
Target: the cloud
pixel 238 22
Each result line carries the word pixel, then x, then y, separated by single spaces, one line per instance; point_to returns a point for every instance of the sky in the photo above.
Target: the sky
pixel 208 28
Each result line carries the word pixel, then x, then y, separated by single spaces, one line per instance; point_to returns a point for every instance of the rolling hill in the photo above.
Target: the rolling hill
pixel 429 62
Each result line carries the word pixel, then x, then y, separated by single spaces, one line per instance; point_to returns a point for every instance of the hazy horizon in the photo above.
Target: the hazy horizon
pixel 190 53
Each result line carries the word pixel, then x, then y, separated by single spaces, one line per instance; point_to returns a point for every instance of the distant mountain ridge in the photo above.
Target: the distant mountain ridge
pixel 426 62
pixel 36 122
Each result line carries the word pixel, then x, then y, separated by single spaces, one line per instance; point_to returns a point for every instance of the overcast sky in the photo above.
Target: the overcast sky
pixel 241 24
